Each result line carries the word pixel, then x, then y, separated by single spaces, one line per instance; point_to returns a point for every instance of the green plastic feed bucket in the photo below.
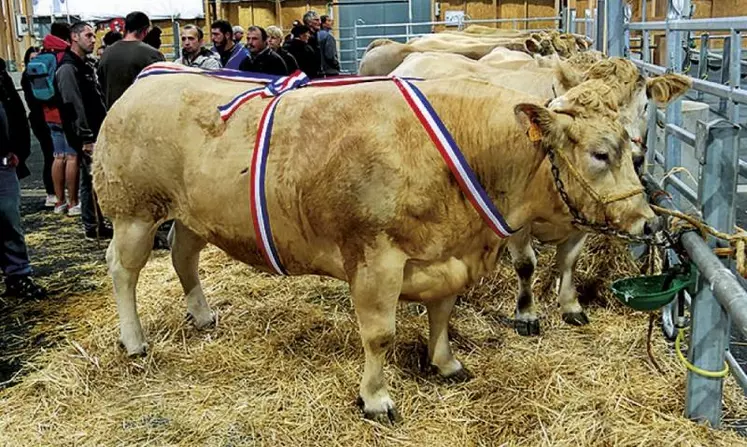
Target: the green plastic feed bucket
pixel 649 293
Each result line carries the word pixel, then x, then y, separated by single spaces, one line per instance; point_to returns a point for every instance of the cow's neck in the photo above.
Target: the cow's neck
pixel 511 176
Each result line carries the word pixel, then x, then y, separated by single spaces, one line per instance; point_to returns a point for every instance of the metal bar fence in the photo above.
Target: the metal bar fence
pixel 721 296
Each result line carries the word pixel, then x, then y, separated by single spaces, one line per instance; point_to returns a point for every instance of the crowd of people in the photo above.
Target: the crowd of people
pixel 68 92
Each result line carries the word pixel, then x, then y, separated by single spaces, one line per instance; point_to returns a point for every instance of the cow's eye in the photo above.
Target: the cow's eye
pixel 601 156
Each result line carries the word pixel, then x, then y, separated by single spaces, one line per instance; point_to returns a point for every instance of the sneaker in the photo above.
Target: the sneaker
pixel 60 209
pixel 51 201
pixel 103 233
pixel 74 210
pixel 23 287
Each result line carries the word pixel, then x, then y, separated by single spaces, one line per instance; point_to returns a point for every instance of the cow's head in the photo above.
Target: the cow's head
pixel 633 92
pixel 593 153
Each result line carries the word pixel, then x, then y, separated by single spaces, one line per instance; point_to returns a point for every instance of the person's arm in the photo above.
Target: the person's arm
pixel 212 63
pixel 72 102
pixel 101 75
pixel 158 57
pixel 330 52
pixel 19 133
pixel 279 67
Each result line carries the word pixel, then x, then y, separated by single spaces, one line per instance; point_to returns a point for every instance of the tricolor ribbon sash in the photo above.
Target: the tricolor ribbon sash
pixel 275 87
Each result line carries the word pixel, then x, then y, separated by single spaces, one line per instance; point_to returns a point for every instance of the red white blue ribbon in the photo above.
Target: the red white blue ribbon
pixel 257 196
pixel 277 86
pixel 454 158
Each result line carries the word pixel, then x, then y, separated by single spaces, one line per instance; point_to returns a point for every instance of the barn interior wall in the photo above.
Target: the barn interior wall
pixel 502 9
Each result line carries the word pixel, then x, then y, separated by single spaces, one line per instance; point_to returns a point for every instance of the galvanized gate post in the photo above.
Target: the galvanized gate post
pixel 355 47
pixel 615 29
pixel 716 146
pixel 572 20
pixel 702 61
pixel 725 67
pixel 601 20
pixel 735 71
pixel 675 56
pixel 177 38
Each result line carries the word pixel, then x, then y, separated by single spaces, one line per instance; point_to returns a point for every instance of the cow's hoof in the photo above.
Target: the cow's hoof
pixel 203 322
pixel 461 376
pixel 527 328
pixel 136 350
pixel 576 318
pixel 388 416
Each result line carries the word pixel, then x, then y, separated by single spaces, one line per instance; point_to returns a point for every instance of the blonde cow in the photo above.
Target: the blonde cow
pixel 375 206
pixel 383 55
pixel 625 88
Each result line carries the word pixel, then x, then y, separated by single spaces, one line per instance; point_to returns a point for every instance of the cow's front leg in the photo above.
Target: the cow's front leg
pixel 126 256
pixel 376 285
pixel 439 350
pixel 566 257
pixel 185 256
pixel 526 321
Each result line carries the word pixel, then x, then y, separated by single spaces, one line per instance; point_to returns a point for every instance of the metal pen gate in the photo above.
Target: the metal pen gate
pixel 720 301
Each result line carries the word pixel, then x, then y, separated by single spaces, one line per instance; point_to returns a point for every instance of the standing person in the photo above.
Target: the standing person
pixel 238 34
pixel 14 149
pixel 42 71
pixel 153 38
pixel 39 127
pixel 262 59
pixel 193 53
pixel 328 48
pixel 302 52
pixel 83 111
pixel 312 20
pixel 275 42
pixel 123 61
pixel 231 55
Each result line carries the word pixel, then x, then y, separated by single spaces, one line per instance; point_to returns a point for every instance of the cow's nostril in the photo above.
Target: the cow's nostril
pixel 647 229
pixel 651 226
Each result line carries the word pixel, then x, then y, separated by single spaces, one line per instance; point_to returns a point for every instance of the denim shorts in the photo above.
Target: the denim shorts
pixel 61 147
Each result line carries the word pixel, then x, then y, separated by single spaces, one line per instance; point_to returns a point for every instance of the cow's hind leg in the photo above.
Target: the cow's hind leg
pixel 526 321
pixel 439 351
pixel 566 257
pixel 375 285
pixel 126 256
pixel 185 256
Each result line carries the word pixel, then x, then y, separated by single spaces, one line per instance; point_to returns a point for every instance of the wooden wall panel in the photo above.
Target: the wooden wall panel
pixel 483 9
pixel 511 9
pixel 541 8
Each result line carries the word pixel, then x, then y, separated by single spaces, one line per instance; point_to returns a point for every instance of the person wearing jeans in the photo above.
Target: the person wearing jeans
pixel 82 113
pixel 15 146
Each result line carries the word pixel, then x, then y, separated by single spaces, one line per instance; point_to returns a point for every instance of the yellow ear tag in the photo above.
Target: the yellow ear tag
pixel 535 134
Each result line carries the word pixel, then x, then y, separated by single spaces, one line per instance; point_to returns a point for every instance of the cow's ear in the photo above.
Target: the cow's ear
pixel 539 122
pixel 533 46
pixel 666 88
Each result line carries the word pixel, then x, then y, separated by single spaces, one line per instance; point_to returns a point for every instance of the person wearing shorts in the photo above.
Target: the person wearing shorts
pixel 65 173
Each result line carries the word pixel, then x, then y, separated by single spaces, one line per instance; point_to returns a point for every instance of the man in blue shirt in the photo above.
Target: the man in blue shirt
pixel 231 55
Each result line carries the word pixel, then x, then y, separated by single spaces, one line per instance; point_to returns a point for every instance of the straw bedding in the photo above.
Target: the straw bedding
pixel 283 363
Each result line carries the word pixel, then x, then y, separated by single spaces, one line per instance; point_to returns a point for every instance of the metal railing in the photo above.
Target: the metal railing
pixel 721 297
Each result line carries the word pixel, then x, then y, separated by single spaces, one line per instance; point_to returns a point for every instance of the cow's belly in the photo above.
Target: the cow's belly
pixel 425 281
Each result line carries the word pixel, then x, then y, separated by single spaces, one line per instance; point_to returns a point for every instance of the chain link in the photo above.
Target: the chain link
pixel 580 221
